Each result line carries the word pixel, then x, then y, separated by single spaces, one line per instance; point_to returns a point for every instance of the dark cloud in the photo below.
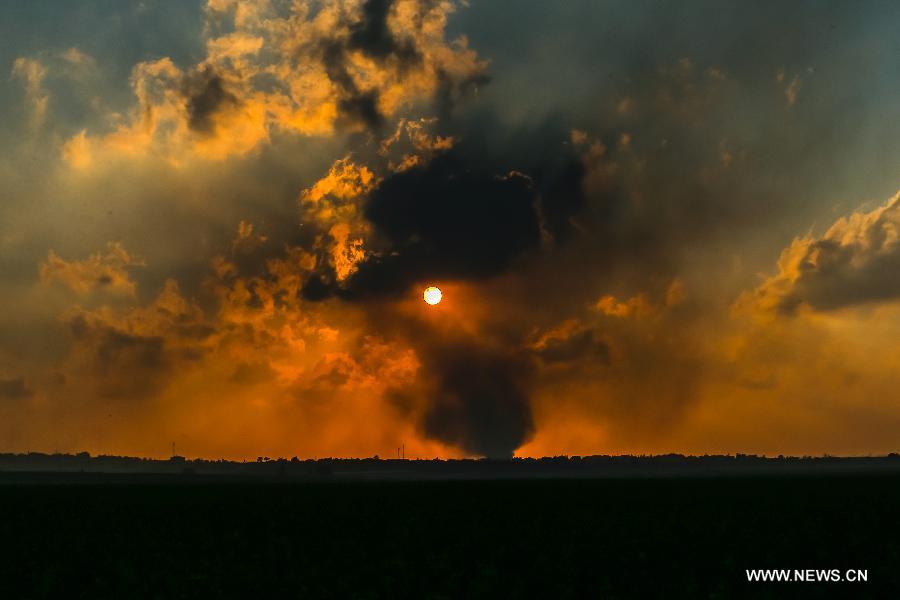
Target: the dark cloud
pixel 446 220
pixel 316 288
pixel 472 389
pixel 362 107
pixel 252 373
pixel 327 377
pixel 14 389
pixel 839 277
pixel 186 328
pixel 355 105
pixel 205 95
pixel 580 345
pixel 478 399
pixel 451 91
pixel 124 365
pixel 462 216
pixel 455 219
pixel 563 194
pixel 373 37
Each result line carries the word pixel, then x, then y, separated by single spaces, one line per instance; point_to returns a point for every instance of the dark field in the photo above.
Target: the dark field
pixel 130 537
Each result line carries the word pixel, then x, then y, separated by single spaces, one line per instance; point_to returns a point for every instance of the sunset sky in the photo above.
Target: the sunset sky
pixel 656 227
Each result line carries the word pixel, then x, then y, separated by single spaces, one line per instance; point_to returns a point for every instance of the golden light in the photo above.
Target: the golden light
pixel 432 295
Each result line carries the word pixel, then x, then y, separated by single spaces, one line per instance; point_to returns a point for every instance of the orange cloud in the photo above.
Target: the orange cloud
pixel 271 71
pixel 99 272
pixel 639 306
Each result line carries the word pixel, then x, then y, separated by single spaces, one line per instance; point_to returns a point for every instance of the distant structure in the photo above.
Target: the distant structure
pixel 175 458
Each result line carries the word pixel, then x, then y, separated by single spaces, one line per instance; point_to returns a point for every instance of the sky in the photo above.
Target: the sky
pixel 657 227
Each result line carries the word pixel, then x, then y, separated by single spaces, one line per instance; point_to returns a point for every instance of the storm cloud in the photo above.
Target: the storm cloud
pixel 452 219
pixel 217 228
pixel 479 400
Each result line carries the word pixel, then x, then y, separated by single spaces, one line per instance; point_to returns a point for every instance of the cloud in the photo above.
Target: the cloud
pixel 445 220
pixel 246 240
pixel 33 72
pixel 372 35
pixel 132 354
pixel 78 59
pixel 14 389
pixel 791 88
pixel 303 168
pixel 451 217
pixel 571 342
pixel 640 306
pixel 206 95
pixel 856 261
pixel 253 373
pixel 478 399
pixel 636 306
pixel 343 65
pixel 100 272
pixel 335 197
pixel 125 365
pixel 414 142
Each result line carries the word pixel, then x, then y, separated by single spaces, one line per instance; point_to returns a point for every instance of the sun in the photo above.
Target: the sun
pixel 432 295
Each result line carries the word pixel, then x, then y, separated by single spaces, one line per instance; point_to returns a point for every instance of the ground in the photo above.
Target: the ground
pixel 189 537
